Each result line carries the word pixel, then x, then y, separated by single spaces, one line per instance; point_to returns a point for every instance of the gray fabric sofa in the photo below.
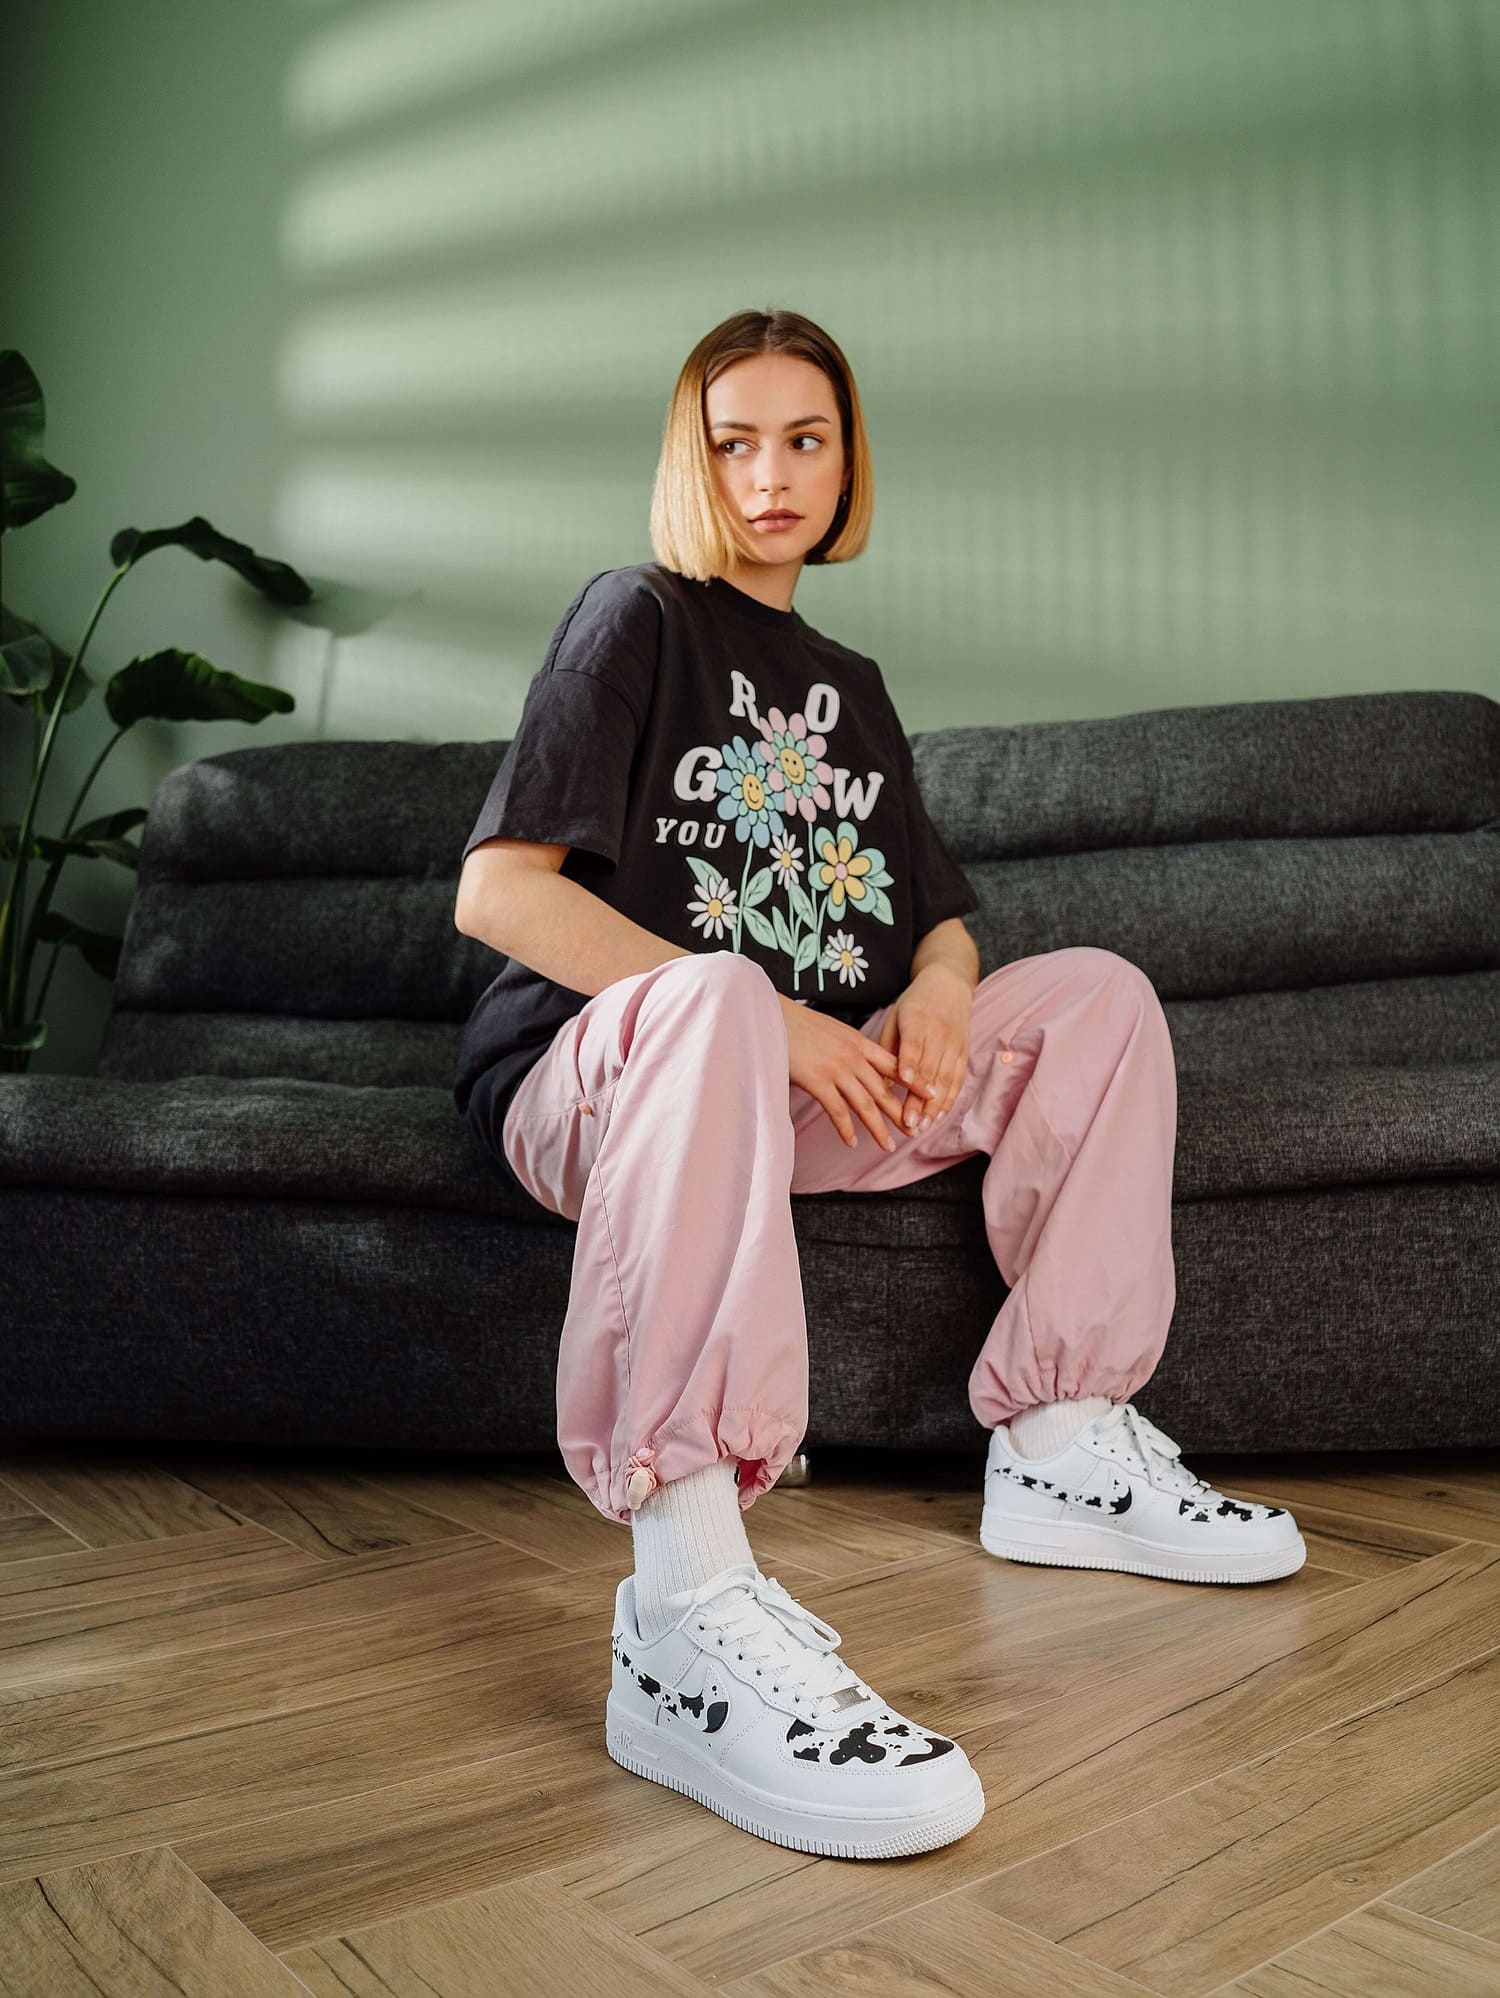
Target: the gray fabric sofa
pixel 263 1221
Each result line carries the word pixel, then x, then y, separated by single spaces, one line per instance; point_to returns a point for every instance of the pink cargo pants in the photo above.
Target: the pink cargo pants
pixel 659 1120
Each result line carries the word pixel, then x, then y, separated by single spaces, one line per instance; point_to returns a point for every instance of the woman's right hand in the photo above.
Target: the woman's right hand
pixel 850 1074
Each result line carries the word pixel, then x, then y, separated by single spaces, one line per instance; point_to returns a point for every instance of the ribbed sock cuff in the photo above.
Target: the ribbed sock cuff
pixel 684 1533
pixel 1050 1426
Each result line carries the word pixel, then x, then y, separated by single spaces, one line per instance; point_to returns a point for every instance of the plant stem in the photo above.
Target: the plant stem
pixel 739 903
pixel 12 971
pixel 44 900
pixel 87 782
pixel 820 910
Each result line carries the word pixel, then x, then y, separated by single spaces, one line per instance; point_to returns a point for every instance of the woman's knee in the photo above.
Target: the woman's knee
pixel 1109 968
pixel 717 974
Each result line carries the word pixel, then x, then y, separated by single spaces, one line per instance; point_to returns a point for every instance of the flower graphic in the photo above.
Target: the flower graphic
pixel 798 775
pixel 714 913
pixel 748 796
pixel 841 871
pixel 786 860
pixel 843 955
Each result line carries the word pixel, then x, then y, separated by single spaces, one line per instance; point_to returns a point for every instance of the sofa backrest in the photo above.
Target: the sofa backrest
pixel 1303 881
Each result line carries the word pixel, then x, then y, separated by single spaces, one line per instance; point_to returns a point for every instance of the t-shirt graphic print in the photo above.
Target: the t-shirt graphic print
pixel 814 880
pixel 730 779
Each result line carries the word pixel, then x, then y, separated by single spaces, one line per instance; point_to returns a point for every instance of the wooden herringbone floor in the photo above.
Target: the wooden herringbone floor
pixel 335 1722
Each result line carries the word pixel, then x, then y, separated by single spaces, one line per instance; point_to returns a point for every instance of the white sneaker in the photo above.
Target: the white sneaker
pixel 744 1705
pixel 1118 1496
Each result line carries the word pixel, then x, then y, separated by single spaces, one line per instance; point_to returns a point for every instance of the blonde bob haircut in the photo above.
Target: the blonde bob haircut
pixel 692 530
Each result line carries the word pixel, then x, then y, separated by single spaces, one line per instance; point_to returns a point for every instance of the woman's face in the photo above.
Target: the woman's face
pixel 776 443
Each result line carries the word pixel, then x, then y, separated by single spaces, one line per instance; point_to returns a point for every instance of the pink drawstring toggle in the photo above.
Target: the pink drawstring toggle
pixel 641 1480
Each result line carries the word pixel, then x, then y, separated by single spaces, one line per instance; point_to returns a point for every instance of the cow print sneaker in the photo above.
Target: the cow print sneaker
pixel 1118 1496
pixel 744 1705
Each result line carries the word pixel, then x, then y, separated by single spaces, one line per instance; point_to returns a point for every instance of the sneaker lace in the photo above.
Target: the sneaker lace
pixel 771 1628
pixel 1159 1456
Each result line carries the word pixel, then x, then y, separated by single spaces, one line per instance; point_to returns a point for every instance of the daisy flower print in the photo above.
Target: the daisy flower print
pixel 714 911
pixel 843 955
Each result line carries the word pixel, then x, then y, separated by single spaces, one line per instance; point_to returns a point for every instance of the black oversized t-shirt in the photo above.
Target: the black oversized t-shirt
pixel 728 778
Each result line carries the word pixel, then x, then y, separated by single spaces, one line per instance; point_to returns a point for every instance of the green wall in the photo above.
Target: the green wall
pixel 1175 326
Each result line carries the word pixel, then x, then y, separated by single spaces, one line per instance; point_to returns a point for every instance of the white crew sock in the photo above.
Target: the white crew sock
pixel 685 1532
pixel 1051 1425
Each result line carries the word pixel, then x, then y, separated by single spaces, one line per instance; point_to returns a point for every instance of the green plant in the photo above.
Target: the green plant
pixel 34 673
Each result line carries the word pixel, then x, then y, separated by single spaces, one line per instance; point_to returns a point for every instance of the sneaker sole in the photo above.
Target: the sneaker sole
pixel 1060 1544
pixel 834 1833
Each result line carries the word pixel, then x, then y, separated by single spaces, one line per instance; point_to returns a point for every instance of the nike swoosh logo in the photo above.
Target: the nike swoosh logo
pixel 868 1741
pixel 703 1712
pixel 1114 1502
pixel 1118 1500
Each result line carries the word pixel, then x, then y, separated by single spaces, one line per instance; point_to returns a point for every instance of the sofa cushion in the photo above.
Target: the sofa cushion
pixel 276 1137
pixel 1247 848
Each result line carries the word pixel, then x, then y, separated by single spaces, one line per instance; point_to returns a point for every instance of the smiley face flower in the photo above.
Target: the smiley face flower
pixel 747 799
pixel 798 774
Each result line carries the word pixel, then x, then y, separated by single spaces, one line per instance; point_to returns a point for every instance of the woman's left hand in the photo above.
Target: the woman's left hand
pixel 927 1028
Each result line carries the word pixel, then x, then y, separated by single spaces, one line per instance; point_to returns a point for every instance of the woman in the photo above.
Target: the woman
pixel 738 968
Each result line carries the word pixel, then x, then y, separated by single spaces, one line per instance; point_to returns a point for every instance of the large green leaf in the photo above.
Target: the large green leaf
pixel 111 825
pixel 183 686
pixel 101 950
pixel 28 484
pixel 25 664
pixel 276 580
pixel 100 839
pixel 32 666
